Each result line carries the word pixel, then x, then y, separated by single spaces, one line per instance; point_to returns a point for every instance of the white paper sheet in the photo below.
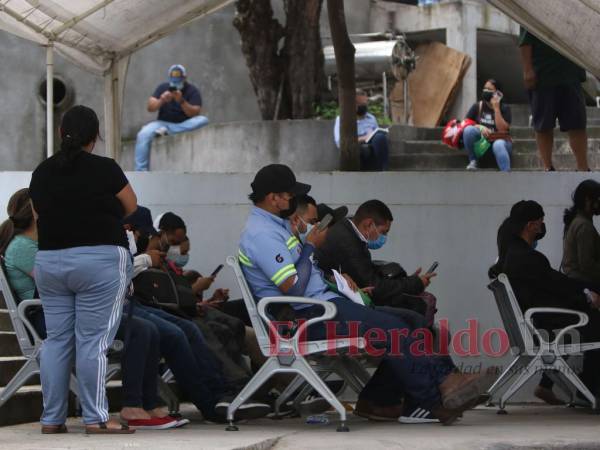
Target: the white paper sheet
pixel 345 289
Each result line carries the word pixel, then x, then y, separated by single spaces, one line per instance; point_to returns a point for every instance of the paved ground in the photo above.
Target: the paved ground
pixel 525 427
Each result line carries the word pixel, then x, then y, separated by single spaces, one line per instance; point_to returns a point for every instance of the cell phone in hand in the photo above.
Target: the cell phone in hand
pixel 172 88
pixel 217 270
pixel 433 267
pixel 325 222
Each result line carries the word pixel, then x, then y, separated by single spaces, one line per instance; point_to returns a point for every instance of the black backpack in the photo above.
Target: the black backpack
pixel 165 290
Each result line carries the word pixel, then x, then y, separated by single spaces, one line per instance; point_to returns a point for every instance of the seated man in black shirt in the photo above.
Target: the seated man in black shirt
pixel 179 106
pixel 347 249
pixel 537 284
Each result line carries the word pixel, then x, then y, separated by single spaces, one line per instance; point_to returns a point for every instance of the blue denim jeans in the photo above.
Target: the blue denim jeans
pixel 375 155
pixel 182 345
pixel 146 134
pixel 502 149
pixel 416 377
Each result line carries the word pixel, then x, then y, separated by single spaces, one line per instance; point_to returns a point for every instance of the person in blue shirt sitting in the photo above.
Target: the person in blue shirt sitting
pixel 179 106
pixel 374 147
pixel 275 262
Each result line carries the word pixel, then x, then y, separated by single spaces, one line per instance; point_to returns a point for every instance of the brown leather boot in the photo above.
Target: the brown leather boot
pixel 459 389
pixel 446 416
pixel 368 410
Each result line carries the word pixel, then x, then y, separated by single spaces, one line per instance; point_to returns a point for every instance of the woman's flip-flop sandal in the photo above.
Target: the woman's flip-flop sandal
pixel 103 429
pixel 54 429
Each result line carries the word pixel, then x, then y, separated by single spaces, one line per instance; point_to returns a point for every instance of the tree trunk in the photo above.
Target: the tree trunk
pixel 260 34
pixel 303 55
pixel 344 61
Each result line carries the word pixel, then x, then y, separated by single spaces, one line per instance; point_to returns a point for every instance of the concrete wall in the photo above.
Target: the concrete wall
pixel 243 146
pixel 449 217
pixel 22 118
pixel 209 47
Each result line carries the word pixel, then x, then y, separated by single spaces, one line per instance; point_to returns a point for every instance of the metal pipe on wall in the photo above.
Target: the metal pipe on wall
pixel 50 99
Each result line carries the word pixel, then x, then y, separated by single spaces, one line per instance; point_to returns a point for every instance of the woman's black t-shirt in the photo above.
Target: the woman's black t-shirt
pixel 487 117
pixel 77 205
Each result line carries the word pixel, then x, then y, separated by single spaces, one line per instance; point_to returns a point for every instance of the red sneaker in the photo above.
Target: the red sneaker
pixel 155 423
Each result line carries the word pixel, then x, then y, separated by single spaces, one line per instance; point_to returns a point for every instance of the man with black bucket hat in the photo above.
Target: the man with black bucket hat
pixel 274 263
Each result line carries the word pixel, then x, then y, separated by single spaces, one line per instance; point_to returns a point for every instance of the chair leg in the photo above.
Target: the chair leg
pixel 74 388
pixel 307 389
pixel 112 371
pixel 29 369
pixel 353 373
pixel 270 367
pixel 296 383
pixel 563 368
pixel 304 369
pixel 168 396
pixel 560 383
pixel 532 368
pixel 506 376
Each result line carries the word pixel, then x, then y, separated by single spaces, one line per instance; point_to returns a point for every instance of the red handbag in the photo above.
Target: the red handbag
pixel 452 133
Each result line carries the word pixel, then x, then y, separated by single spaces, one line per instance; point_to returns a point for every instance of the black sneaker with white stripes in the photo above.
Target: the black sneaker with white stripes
pixel 417 415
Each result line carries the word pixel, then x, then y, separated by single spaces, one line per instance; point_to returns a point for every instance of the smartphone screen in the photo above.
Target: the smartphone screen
pixel 217 270
pixel 433 267
pixel 325 222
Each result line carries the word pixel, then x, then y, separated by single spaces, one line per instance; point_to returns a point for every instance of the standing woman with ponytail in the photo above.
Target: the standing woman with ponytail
pixel 581 243
pixel 82 269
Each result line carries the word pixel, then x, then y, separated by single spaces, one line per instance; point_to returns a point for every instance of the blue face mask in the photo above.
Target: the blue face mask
pixel 376 244
pixel 174 254
pixel 535 244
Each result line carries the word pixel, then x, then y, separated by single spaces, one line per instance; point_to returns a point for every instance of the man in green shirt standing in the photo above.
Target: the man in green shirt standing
pixel 554 84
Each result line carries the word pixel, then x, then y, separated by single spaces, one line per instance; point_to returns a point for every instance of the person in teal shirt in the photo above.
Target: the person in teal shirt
pixel 18 245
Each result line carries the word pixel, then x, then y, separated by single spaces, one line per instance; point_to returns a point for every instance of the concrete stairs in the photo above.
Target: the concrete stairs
pixel 422 149
pixel 26 404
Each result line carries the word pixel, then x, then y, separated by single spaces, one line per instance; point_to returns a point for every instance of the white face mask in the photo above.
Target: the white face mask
pixel 174 254
pixel 309 227
pixel 131 240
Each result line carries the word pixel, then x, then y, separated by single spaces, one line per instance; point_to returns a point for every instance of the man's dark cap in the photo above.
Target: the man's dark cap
pixel 338 213
pixel 141 220
pixel 526 211
pixel 277 178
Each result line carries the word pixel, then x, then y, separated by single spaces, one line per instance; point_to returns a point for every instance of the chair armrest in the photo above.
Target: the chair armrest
pixel 21 312
pixel 329 313
pixel 583 320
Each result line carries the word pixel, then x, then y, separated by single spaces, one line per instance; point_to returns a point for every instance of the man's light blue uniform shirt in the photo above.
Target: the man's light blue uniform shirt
pixel 268 253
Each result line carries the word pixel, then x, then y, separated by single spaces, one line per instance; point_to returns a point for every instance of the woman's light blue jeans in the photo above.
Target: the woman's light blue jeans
pixel 502 149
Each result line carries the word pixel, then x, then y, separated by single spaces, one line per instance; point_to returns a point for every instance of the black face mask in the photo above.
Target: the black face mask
pixel 361 110
pixel 487 95
pixel 542 233
pixel 291 210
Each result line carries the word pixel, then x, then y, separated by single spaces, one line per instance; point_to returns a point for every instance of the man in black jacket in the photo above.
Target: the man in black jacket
pixel 537 284
pixel 347 249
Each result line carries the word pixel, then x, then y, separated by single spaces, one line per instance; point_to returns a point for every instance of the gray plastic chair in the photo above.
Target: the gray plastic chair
pixel 306 359
pixel 540 354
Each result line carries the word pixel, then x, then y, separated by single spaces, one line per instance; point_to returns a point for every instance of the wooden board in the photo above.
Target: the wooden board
pixel 432 86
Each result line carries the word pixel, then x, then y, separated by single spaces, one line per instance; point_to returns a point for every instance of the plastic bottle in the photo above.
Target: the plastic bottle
pixel 317 419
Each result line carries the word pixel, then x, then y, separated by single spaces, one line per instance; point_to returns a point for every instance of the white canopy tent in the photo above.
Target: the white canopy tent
pixel 569 26
pixel 99 36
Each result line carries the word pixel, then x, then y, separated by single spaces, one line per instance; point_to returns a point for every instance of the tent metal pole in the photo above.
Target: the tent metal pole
pixel 50 99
